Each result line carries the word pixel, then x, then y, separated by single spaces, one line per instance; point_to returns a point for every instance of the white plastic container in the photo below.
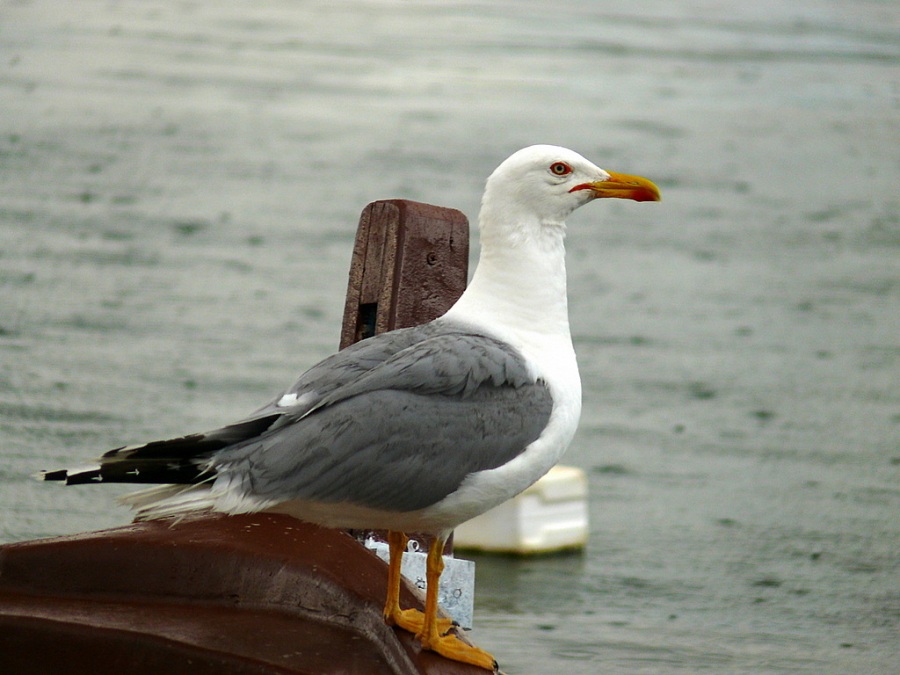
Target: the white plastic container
pixel 551 515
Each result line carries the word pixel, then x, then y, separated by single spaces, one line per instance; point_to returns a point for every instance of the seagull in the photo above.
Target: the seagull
pixel 417 429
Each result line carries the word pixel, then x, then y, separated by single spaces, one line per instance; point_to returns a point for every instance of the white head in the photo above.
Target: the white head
pixel 543 184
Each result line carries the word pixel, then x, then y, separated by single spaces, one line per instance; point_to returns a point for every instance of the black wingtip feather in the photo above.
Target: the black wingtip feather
pixel 72 476
pixel 84 477
pixel 181 460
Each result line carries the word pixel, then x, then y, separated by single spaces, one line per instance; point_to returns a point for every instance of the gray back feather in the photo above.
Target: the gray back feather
pixel 396 422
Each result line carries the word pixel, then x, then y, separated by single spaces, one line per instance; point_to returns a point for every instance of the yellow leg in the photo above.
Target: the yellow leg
pixel 431 636
pixel 396 545
pixel 411 620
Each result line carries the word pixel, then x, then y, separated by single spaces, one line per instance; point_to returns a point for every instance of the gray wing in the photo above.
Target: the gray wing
pixel 400 435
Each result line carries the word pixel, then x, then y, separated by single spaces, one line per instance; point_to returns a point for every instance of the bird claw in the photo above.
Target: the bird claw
pixel 451 647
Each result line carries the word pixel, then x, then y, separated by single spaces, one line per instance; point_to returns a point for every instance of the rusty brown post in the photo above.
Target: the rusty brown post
pixel 410 264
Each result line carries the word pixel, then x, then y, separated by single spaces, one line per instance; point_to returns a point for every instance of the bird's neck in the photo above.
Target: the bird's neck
pixel 520 282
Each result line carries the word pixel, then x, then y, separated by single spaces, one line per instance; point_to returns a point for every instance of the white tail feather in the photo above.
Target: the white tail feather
pixel 166 501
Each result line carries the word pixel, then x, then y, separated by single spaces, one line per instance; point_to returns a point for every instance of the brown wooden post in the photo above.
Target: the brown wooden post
pixel 410 264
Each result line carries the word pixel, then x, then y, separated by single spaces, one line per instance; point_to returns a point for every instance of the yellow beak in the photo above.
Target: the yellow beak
pixel 623 186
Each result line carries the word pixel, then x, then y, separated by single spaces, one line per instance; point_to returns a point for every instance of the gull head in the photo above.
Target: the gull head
pixel 543 184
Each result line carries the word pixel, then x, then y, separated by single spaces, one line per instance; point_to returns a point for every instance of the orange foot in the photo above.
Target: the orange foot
pixel 413 620
pixel 451 647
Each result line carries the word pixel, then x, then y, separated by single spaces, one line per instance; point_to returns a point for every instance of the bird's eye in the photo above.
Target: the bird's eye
pixel 560 169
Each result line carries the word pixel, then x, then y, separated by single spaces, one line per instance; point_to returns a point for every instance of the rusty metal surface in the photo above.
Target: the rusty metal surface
pixel 242 594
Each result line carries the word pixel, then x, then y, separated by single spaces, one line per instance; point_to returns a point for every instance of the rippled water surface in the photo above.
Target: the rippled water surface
pixel 179 188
